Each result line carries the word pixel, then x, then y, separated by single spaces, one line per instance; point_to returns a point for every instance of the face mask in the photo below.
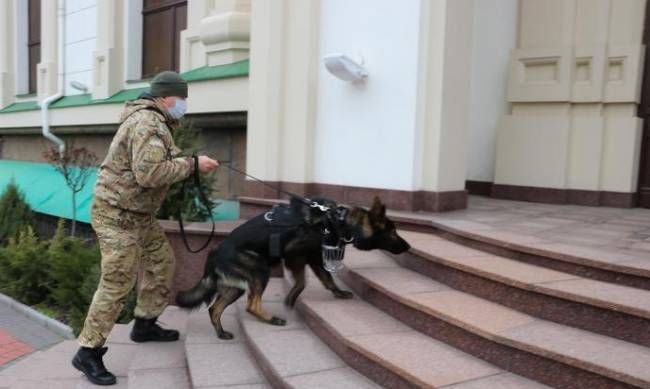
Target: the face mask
pixel 179 109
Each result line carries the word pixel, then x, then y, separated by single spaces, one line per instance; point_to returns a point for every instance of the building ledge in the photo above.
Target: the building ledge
pixel 237 69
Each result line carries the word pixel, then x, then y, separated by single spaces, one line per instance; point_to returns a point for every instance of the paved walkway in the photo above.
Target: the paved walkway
pixel 20 336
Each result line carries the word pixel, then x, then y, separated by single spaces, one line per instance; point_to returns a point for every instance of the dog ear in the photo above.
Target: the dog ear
pixel 378 210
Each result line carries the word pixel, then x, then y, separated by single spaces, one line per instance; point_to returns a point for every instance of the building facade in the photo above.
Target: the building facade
pixel 537 100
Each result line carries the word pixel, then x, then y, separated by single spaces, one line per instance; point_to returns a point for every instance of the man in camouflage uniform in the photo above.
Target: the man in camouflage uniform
pixel 142 162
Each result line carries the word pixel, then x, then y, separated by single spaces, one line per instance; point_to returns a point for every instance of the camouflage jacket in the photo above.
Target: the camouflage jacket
pixel 142 161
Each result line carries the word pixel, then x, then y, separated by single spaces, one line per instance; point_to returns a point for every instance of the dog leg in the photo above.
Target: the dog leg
pixel 227 296
pixel 298 286
pixel 255 304
pixel 328 282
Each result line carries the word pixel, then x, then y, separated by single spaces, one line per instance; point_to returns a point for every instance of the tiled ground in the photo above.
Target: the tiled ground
pixel 20 336
pixel 11 349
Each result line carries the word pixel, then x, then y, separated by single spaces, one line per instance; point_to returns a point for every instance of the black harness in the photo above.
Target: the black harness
pixel 329 218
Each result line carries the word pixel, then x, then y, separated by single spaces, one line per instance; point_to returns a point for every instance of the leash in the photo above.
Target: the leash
pixel 206 204
pixel 276 188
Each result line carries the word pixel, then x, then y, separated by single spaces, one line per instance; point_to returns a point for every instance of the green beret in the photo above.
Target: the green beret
pixel 168 83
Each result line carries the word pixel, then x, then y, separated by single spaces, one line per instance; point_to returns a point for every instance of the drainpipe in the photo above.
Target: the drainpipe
pixel 45 104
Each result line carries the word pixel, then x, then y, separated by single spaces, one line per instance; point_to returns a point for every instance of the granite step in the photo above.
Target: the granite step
pixel 215 363
pixel 292 356
pixel 598 263
pixel 391 353
pixel 609 309
pixel 545 351
pixel 160 365
pixel 466 227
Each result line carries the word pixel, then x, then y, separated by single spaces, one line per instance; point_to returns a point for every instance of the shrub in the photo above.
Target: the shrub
pixel 15 213
pixel 75 274
pixel 24 268
pixel 186 137
pixel 77 313
pixel 71 260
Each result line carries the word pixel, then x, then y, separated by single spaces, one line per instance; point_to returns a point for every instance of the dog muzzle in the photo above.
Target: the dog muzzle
pixel 333 257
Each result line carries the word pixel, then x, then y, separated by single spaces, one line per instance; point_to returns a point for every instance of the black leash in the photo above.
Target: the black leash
pixel 206 204
pixel 293 195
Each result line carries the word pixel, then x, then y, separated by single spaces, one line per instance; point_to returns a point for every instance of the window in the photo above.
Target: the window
pixel 34 41
pixel 162 23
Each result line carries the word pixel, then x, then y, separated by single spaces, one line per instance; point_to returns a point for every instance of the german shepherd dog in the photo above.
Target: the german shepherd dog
pixel 242 261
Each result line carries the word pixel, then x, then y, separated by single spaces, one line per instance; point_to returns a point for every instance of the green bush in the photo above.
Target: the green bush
pixel 24 268
pixel 71 260
pixel 15 213
pixel 77 314
pixel 75 270
pixel 59 276
pixel 186 137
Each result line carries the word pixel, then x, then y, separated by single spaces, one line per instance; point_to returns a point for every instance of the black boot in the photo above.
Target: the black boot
pixel 146 330
pixel 89 361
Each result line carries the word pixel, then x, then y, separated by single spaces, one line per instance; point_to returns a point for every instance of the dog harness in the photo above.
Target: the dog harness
pixel 285 219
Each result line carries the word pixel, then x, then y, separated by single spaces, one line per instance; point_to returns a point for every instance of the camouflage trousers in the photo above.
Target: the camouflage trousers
pixel 130 244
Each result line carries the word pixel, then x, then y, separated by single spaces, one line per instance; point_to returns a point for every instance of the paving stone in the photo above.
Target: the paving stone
pixel 499 381
pixel 431 362
pixel 294 352
pixel 359 259
pixel 342 378
pixel 403 281
pixel 622 298
pixel 469 311
pixel 159 355
pixel 222 364
pixel 606 354
pixel 176 378
pixel 503 268
pixel 360 318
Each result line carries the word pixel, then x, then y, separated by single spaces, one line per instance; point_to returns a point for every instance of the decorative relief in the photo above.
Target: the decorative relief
pixel 540 75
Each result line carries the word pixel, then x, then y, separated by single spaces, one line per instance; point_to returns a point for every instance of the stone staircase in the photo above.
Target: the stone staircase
pixel 466 308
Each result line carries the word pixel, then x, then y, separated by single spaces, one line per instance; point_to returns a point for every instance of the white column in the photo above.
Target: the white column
pixel 7 38
pixel 265 89
pixel 444 94
pixel 108 64
pixel 47 70
pixel 301 62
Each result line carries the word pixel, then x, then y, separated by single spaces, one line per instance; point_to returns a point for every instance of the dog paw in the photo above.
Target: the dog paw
pixel 276 321
pixel 343 294
pixel 225 335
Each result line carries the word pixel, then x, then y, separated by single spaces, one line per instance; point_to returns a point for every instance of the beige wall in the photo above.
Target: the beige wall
pixel 273 88
pixel 574 82
pixel 296 107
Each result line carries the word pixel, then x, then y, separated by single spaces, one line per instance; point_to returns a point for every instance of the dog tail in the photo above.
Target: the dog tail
pixel 204 291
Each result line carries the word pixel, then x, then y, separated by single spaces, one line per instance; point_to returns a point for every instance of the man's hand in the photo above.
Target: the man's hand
pixel 207 164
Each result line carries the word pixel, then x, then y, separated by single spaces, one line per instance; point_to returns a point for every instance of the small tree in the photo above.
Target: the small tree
pixel 15 213
pixel 75 165
pixel 186 137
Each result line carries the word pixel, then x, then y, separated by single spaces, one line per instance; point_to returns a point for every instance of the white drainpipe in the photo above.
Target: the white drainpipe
pixel 60 69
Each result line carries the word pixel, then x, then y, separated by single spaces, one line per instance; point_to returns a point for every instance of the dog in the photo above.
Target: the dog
pixel 244 259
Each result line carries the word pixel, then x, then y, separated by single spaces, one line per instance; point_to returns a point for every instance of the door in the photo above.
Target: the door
pixel 644 113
